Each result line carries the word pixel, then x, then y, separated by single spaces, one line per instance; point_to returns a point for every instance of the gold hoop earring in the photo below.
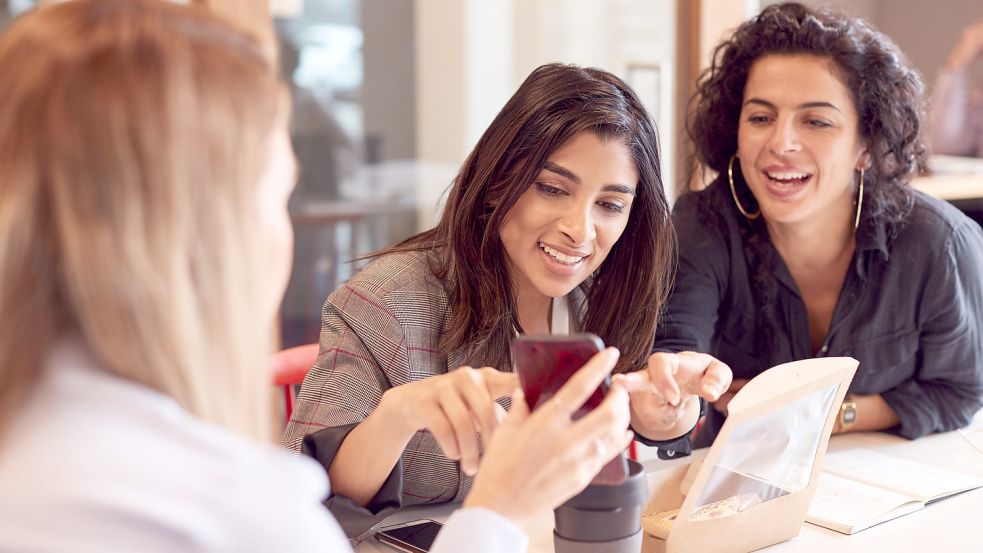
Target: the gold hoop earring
pixel 860 201
pixel 733 192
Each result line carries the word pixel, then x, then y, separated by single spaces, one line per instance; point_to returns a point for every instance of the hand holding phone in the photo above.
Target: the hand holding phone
pixel 538 460
pixel 545 363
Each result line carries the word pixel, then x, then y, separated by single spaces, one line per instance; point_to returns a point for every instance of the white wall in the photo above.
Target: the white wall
pixel 471 56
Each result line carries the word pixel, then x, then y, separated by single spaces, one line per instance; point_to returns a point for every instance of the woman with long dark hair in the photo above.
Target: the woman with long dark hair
pixel 557 222
pixel 810 241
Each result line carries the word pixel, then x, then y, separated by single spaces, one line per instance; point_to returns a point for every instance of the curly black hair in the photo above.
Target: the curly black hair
pixel 886 91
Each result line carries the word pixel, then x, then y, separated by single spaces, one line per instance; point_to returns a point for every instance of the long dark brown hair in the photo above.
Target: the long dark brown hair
pixel 886 91
pixel 626 294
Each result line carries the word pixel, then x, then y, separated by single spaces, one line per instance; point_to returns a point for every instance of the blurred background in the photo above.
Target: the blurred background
pixel 391 95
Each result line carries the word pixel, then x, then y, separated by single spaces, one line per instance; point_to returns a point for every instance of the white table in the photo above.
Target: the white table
pixel 953 525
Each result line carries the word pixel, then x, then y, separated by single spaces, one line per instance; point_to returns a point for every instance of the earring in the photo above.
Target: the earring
pixel 733 191
pixel 860 201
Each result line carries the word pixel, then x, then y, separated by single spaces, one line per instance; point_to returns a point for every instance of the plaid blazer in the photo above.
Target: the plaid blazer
pixel 379 330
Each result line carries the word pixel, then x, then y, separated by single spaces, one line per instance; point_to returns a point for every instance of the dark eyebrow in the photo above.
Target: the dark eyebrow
pixel 570 175
pixel 806 105
pixel 622 188
pixel 562 171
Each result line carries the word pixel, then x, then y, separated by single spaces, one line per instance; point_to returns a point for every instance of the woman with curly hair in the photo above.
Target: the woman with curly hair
pixel 810 241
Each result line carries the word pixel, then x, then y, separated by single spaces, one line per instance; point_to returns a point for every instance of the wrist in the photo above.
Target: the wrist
pixel 390 414
pixel 669 430
pixel 846 419
pixel 478 497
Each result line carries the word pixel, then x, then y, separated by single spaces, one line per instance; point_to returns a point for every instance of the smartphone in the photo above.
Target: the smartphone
pixel 544 363
pixel 414 537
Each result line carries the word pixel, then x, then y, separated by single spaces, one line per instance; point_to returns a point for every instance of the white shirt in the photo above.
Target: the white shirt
pixel 94 462
pixel 560 322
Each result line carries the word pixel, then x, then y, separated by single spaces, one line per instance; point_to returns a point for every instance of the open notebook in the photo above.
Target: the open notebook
pixel 862 488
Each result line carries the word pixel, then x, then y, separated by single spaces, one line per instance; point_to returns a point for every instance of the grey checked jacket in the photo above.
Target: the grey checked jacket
pixel 381 329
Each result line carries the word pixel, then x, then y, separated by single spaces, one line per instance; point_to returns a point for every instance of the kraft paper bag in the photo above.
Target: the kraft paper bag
pixel 754 486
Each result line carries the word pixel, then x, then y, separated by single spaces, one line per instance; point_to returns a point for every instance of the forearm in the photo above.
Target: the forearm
pixel 924 407
pixel 368 455
pixel 873 413
pixel 659 432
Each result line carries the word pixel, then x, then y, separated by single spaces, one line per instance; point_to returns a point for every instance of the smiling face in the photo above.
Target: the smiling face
pixel 564 225
pixel 798 140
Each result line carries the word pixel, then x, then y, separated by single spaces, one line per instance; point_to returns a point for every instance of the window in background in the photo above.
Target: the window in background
pixel 10 9
pixel 350 199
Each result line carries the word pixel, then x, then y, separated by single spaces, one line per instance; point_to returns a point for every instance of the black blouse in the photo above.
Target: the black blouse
pixel 910 310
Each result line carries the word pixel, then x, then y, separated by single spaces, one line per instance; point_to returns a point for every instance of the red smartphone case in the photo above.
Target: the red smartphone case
pixel 545 363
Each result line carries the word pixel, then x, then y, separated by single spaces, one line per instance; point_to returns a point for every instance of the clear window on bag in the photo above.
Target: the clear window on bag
pixel 766 457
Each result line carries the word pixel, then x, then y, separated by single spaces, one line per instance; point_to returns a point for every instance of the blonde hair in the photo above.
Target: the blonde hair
pixel 133 134
pixel 252 16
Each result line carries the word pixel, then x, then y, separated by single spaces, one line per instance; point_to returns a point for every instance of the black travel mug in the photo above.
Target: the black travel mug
pixel 603 518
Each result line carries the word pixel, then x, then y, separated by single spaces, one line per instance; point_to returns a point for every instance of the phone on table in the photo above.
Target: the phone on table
pixel 413 537
pixel 544 363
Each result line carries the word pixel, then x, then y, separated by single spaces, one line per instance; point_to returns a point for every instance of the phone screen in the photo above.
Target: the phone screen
pixel 415 537
pixel 545 363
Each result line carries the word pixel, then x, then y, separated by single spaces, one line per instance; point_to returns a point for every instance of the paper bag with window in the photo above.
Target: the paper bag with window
pixel 754 486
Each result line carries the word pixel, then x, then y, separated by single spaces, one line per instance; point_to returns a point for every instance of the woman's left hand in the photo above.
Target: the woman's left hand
pixel 664 395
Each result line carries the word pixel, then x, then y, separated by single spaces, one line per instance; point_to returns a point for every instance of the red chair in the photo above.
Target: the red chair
pixel 289 367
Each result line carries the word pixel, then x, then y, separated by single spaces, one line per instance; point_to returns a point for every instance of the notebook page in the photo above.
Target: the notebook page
pixel 849 506
pixel 923 482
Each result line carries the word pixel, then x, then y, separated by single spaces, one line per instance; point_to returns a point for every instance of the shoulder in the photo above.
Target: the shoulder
pixel 398 275
pixel 933 223
pixel 709 209
pixel 121 467
pixel 691 202
pixel 706 223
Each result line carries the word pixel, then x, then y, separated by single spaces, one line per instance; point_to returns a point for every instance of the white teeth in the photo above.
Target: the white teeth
pixel 788 176
pixel 562 258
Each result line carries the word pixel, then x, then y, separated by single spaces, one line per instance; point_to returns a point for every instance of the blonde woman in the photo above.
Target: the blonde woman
pixel 146 170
